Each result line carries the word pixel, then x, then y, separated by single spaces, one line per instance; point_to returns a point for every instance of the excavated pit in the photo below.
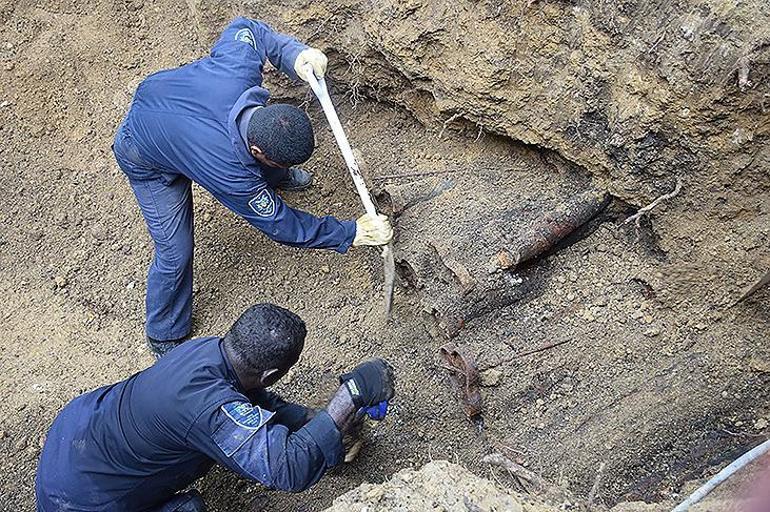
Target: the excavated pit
pixel 475 122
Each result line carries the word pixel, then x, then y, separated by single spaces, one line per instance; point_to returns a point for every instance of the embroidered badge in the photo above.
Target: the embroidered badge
pixel 245 35
pixel 263 204
pixel 246 415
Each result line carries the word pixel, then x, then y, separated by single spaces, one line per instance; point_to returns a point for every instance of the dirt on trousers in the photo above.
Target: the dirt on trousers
pixel 658 377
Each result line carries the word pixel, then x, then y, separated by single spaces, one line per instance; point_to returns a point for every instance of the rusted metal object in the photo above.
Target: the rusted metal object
pixel 465 379
pixel 552 228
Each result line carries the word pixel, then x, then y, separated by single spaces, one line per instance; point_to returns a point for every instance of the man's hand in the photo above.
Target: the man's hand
pixel 315 58
pixel 373 231
pixel 370 383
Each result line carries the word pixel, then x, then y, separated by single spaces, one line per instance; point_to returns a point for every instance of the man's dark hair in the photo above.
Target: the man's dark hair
pixel 283 133
pixel 266 336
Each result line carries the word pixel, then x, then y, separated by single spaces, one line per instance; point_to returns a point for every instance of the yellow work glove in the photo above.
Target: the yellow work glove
pixel 372 230
pixel 315 58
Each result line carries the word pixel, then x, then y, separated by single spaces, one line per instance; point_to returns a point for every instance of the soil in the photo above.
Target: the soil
pixel 439 485
pixel 657 376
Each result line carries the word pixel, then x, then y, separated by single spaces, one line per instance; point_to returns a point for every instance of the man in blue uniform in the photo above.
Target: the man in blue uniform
pixel 135 445
pixel 208 122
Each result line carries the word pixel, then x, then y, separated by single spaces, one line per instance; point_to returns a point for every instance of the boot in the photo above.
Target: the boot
pixel 293 179
pixel 161 348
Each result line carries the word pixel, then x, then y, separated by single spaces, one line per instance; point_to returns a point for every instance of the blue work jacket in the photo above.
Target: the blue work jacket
pixel 132 445
pixel 185 121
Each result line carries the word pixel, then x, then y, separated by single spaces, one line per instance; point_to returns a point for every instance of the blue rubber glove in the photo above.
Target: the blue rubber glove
pixel 377 412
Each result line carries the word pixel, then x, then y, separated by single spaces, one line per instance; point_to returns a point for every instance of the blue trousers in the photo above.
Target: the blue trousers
pixel 189 501
pixel 165 198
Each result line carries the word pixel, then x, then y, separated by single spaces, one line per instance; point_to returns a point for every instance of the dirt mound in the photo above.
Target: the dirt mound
pixel 439 485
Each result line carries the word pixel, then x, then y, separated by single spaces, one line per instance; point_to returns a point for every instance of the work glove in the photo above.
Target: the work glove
pixel 315 58
pixel 370 383
pixel 373 230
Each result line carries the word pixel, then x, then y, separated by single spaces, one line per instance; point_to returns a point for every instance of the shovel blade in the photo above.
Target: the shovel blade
pixel 389 265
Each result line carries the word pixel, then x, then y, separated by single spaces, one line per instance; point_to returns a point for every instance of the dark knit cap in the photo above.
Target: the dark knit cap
pixel 283 133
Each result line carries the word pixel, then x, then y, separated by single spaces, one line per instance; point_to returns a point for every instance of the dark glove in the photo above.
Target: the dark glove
pixel 370 383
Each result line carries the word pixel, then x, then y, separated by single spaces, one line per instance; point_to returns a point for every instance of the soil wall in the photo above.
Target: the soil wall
pixel 641 94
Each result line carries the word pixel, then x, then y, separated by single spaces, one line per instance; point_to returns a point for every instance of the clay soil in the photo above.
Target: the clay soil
pixel 660 393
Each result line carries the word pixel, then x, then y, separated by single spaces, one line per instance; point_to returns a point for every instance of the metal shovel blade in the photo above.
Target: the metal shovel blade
pixel 389 264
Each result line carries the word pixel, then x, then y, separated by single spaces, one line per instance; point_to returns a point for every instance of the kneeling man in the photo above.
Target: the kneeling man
pixel 133 446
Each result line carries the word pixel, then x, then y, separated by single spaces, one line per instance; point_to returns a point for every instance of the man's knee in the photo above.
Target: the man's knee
pixel 175 255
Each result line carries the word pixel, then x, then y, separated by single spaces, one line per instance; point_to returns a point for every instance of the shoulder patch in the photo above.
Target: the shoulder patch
pixel 246 415
pixel 263 203
pixel 239 423
pixel 245 35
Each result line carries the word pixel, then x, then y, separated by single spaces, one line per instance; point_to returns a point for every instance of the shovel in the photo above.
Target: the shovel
pixel 320 90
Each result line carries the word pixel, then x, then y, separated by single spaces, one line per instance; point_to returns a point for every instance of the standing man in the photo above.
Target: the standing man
pixel 136 445
pixel 209 122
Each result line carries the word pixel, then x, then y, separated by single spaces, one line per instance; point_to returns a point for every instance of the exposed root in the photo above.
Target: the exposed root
pixel 637 217
pixel 452 118
pixel 537 484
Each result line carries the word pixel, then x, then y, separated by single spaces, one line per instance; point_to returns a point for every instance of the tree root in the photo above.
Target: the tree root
pixel 637 217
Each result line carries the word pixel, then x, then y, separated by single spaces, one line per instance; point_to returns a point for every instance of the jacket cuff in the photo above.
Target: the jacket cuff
pixel 350 232
pixel 329 440
pixel 290 57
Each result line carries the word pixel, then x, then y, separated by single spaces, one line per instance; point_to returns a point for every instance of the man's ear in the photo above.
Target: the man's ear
pixel 255 151
pixel 270 377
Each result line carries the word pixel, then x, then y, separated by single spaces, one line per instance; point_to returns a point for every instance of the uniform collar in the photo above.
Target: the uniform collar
pixel 254 97
pixel 232 376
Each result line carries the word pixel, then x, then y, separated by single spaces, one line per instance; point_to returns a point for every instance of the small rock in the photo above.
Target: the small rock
pixel 374 493
pixel 540 402
pixel 760 424
pixel 491 377
pixel 60 281
pixel 505 260
pixel 652 332
pixel 131 285
pixel 206 217
pixel 325 269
